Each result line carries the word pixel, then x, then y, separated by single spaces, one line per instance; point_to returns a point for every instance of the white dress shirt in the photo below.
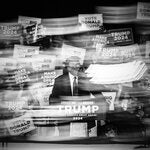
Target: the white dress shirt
pixel 71 77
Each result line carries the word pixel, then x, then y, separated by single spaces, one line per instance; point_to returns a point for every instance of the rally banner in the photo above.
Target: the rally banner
pixel 90 22
pixel 118 53
pixel 20 125
pixel 68 51
pixel 122 36
pixel 22 51
pixel 143 11
pixel 73 109
pixel 10 31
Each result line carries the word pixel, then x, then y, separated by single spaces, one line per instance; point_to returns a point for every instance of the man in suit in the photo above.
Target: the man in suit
pixel 65 85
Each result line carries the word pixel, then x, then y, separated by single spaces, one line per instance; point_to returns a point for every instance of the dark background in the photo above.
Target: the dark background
pixel 10 10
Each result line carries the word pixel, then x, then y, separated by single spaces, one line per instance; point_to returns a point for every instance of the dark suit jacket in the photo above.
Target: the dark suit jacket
pixel 62 87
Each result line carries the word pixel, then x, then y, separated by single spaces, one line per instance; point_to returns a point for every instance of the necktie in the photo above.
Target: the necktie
pixel 75 87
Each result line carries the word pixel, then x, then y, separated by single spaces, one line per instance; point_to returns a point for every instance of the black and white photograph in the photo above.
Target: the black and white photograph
pixel 75 75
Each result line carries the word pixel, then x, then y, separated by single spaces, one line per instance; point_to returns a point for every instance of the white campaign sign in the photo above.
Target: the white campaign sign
pixel 10 31
pixel 123 51
pixel 110 98
pixel 122 36
pixel 25 51
pixel 20 125
pixel 78 129
pixel 37 63
pixel 118 52
pixel 90 21
pixel 100 40
pixel 143 11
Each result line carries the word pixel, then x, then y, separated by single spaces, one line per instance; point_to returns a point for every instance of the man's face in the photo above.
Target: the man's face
pixel 73 64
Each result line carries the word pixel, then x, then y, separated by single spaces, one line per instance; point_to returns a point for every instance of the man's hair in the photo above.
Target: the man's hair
pixel 71 59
